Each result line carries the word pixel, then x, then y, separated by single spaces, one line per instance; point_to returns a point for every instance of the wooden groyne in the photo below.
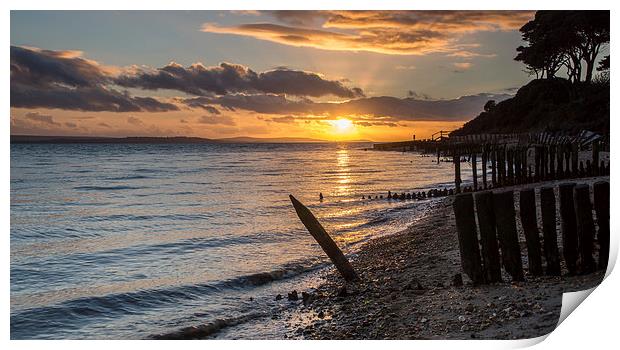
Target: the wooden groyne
pixel 513 159
pixel 497 226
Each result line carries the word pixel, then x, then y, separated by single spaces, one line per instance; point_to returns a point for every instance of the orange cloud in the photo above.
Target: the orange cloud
pixel 386 32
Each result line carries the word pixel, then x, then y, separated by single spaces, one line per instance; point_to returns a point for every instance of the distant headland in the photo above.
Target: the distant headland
pixel 164 140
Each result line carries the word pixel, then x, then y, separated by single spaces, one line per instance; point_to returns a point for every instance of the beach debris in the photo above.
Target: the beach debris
pixel 320 196
pixel 292 296
pixel 307 298
pixel 321 314
pixel 279 297
pixel 325 241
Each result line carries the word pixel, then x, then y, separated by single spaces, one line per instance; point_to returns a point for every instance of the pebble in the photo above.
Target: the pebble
pixel 293 296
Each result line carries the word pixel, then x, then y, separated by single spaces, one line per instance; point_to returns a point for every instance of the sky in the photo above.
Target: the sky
pixel 333 75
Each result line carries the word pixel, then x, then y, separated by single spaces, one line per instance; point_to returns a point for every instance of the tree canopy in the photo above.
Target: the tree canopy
pixel 564 39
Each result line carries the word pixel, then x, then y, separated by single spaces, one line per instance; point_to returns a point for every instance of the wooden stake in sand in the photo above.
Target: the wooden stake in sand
pixel 570 240
pixel 488 236
pixel 527 206
pixel 585 227
pixel 325 241
pixel 601 204
pixel 550 235
pixel 507 234
pixel 468 237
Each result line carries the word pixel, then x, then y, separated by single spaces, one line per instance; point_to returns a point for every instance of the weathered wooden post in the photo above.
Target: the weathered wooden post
pixel 457 171
pixel 488 236
pixel 575 159
pixel 550 236
pixel 527 207
pixel 507 233
pixel 516 159
pixel 585 227
pixel 601 204
pixel 570 240
pixel 524 171
pixel 537 171
pixel 325 241
pixel 474 170
pixel 552 162
pixel 595 158
pixel 463 206
pixel 567 172
pixel 484 167
pixel 510 163
pixel 493 167
pixel 560 165
pixel 545 163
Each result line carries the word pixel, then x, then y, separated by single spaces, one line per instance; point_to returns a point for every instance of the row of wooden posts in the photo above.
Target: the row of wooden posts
pixel 495 235
pixel 509 163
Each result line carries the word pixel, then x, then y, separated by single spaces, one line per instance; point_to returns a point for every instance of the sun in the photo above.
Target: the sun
pixel 342 125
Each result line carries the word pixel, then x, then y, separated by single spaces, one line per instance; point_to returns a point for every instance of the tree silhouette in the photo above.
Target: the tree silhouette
pixel 559 39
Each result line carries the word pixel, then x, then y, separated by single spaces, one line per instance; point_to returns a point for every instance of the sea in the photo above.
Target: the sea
pixel 127 241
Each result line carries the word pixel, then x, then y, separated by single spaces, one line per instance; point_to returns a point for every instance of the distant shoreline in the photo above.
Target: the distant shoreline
pixel 35 139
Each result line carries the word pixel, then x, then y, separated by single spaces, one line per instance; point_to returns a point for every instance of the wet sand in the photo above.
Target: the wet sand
pixel 407 291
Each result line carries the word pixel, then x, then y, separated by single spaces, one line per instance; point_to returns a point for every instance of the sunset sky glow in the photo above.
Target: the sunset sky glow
pixel 335 75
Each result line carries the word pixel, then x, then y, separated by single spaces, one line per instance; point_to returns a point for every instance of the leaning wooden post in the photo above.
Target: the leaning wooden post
pixel 474 170
pixel 550 235
pixel 570 240
pixel 488 236
pixel 585 227
pixel 468 238
pixel 510 163
pixel 601 204
pixel 325 241
pixel 507 233
pixel 457 171
pixel 527 207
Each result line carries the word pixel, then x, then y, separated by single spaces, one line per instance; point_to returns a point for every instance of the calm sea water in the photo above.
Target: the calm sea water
pixel 126 241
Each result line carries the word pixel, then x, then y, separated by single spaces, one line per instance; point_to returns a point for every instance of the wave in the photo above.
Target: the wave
pixel 106 188
pixel 207 329
pixel 75 313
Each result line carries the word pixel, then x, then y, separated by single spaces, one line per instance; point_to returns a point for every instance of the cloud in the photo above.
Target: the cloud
pixel 134 121
pixel 289 119
pixel 71 125
pixel 41 118
pixel 385 32
pixel 462 65
pixel 104 125
pixel 62 79
pixel 199 80
pixel 405 67
pixel 385 108
pixel 213 120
